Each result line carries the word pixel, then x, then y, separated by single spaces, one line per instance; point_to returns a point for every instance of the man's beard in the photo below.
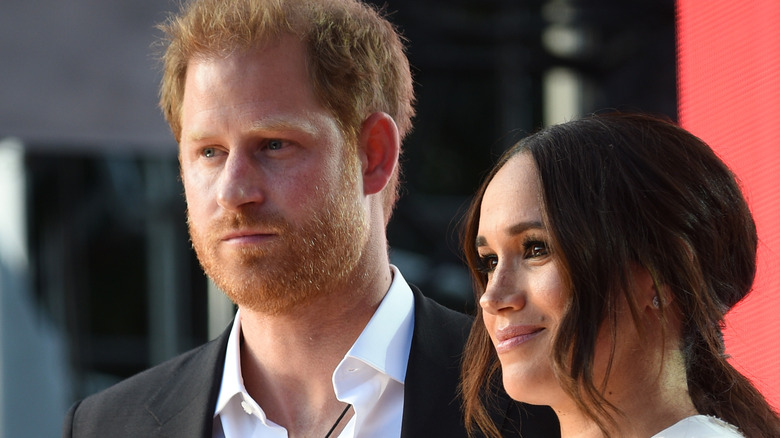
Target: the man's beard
pixel 300 263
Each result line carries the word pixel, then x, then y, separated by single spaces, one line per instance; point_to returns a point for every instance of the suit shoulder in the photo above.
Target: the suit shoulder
pixel 428 309
pixel 149 381
pixel 133 403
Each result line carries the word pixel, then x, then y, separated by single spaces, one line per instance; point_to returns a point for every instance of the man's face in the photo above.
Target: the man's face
pixel 274 200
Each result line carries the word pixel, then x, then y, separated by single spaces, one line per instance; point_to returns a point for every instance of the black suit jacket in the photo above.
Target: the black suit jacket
pixel 178 398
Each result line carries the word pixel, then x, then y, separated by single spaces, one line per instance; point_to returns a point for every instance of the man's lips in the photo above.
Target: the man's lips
pixel 511 336
pixel 247 236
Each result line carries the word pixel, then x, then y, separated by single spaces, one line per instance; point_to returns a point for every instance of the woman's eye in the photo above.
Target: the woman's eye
pixel 487 264
pixel 535 249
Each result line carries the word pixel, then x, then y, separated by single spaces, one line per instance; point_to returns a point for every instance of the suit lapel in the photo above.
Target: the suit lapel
pixel 431 405
pixel 185 406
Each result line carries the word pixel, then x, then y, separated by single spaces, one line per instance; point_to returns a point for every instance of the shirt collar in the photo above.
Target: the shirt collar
pixel 232 380
pixel 384 345
pixel 386 340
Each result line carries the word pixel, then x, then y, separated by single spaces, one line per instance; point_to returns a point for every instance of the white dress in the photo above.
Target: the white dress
pixel 700 426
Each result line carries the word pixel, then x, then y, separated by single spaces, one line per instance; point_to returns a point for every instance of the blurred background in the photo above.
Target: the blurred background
pixel 97 278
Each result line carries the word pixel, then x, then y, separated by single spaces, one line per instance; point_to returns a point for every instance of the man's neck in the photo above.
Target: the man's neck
pixel 287 359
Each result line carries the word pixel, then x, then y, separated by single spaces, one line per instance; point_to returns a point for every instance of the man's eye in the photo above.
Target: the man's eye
pixel 275 145
pixel 209 152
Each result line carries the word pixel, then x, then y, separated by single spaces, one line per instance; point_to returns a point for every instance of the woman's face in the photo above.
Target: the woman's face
pixel 524 298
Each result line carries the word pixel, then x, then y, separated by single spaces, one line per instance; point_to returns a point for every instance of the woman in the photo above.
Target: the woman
pixel 605 253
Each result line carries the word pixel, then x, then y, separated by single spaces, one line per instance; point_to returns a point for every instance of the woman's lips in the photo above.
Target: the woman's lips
pixel 508 338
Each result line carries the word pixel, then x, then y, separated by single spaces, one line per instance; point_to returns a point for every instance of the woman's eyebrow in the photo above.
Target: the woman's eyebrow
pixel 513 230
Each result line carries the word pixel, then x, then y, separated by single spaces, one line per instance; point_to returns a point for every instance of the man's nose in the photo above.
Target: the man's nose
pixel 240 182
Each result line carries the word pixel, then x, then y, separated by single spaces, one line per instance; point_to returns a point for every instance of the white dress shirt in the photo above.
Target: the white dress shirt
pixel 370 377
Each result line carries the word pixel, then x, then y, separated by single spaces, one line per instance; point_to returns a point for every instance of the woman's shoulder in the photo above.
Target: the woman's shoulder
pixel 700 426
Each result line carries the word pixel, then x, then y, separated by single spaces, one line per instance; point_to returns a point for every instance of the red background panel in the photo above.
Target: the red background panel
pixel 729 96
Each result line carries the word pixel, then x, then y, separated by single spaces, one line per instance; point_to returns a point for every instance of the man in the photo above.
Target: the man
pixel 289 117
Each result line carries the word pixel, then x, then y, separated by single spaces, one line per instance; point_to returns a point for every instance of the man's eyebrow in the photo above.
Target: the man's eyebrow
pixel 196 136
pixel 272 124
pixel 284 124
pixel 513 230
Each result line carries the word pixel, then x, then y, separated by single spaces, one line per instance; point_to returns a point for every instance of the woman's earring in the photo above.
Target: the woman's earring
pixel 656 302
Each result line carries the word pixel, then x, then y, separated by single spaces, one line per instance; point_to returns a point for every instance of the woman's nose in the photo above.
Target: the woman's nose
pixel 503 292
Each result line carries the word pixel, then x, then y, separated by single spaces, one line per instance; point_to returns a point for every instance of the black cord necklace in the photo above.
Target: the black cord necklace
pixel 338 420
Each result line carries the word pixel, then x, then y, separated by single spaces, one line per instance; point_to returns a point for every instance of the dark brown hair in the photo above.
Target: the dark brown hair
pixel 621 190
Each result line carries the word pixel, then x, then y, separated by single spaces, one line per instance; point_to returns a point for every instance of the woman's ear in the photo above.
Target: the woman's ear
pixel 378 146
pixel 648 293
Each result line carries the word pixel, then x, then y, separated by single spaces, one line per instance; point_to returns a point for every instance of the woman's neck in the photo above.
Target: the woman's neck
pixel 646 404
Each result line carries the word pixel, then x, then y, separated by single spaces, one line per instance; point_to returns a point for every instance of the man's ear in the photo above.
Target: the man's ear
pixel 378 146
